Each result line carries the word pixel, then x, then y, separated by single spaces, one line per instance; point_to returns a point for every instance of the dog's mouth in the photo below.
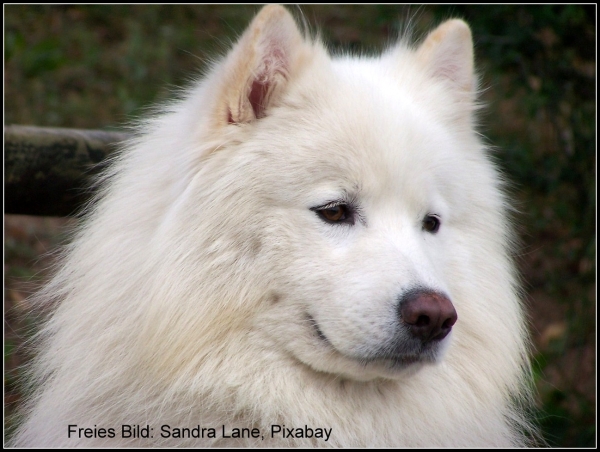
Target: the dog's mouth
pixel 317 330
pixel 393 360
pixel 397 361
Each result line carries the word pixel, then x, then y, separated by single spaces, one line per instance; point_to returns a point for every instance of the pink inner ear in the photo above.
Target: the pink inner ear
pixel 273 69
pixel 450 71
pixel 257 97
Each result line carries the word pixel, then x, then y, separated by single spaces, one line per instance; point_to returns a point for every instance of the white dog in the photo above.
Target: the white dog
pixel 306 250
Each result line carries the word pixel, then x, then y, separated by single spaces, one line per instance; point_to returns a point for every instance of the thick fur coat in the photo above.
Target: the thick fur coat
pixel 303 240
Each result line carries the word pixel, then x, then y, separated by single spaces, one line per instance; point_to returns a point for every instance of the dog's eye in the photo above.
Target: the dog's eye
pixel 431 223
pixel 335 214
pixel 340 213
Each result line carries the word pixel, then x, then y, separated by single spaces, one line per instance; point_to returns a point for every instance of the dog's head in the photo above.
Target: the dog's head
pixel 351 192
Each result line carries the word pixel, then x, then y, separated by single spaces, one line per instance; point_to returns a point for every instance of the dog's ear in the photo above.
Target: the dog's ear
pixel 447 54
pixel 259 66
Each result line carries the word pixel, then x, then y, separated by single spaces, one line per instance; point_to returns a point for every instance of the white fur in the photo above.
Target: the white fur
pixel 186 298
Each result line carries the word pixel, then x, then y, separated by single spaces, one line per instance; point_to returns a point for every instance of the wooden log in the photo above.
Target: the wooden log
pixel 48 170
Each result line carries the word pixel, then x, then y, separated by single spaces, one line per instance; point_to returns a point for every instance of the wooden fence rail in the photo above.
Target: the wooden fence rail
pixel 47 170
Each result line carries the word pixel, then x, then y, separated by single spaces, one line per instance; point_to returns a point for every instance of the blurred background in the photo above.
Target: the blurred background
pixel 98 67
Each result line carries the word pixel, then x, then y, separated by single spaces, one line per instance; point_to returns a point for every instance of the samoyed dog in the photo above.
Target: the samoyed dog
pixel 305 250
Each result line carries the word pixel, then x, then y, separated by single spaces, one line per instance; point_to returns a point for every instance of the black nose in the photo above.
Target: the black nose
pixel 428 315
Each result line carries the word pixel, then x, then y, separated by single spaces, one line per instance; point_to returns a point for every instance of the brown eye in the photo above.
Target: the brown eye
pixel 335 214
pixel 431 223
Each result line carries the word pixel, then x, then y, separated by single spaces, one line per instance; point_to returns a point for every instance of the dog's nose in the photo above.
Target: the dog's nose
pixel 428 315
